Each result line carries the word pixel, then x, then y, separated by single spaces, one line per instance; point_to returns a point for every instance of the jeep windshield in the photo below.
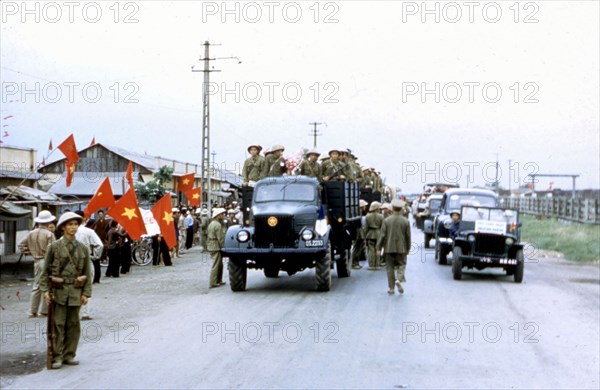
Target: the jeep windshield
pixel 456 201
pixel 471 214
pixel 292 192
pixel 434 205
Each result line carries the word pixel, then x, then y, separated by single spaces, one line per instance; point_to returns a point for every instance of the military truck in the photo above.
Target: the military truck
pixel 293 223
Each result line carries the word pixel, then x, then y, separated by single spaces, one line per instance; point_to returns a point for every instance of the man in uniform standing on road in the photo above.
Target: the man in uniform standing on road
pixel 216 241
pixel 394 239
pixel 374 221
pixel 67 284
pixel 358 249
pixel 35 243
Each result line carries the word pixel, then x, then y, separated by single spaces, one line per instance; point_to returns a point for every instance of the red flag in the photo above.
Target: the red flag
pixel 129 174
pixel 194 196
pixel 93 141
pixel 70 169
pixel 43 161
pixel 186 182
pixel 127 213
pixel 69 150
pixel 103 198
pixel 163 215
pixel 50 144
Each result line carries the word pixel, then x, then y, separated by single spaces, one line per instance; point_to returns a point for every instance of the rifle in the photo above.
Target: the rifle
pixel 50 332
pixel 338 172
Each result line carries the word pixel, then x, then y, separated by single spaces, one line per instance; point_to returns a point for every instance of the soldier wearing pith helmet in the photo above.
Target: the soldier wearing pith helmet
pixel 67 284
pixel 309 166
pixel 334 168
pixel 277 167
pixel 215 242
pixel 253 166
pixel 373 224
pixel 394 239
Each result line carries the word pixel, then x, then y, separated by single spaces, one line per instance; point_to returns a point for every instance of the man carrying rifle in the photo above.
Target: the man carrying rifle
pixel 334 168
pixel 67 284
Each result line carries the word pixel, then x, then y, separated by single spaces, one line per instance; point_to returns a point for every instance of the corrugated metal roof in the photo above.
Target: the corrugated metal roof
pixel 85 184
pixel 28 193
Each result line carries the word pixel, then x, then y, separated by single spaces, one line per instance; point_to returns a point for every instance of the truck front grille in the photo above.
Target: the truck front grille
pixel 279 236
pixel 490 244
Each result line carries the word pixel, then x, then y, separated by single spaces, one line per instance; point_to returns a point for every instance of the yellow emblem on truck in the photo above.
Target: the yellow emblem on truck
pixel 272 221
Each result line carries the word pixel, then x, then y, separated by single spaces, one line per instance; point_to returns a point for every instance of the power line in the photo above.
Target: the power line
pixel 314 132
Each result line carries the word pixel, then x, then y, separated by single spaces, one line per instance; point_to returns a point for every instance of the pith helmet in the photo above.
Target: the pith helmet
pixel 333 150
pixel 255 146
pixel 218 211
pixel 455 212
pixel 44 216
pixel 398 204
pixel 375 206
pixel 313 151
pixel 68 216
pixel 276 148
pixel 362 203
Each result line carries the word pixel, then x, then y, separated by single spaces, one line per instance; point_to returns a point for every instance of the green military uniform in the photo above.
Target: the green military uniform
pixel 310 169
pixel 394 239
pixel 267 163
pixel 253 168
pixel 66 259
pixel 216 241
pixel 373 224
pixel 333 169
pixel 278 168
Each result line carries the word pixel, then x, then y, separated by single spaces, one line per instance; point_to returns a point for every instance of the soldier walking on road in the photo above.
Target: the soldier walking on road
pixel 67 284
pixel 253 166
pixel 358 249
pixel 394 239
pixel 36 243
pixel 216 241
pixel 374 221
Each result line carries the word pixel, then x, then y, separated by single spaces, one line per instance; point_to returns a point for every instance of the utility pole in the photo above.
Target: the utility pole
pixel 509 177
pixel 205 161
pixel 315 132
pixel 210 174
pixel 496 184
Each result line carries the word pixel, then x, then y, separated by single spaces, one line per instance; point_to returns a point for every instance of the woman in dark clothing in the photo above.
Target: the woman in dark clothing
pixel 125 252
pixel 114 250
pixel 159 247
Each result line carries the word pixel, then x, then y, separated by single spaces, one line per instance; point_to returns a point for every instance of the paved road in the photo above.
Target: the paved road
pixel 482 332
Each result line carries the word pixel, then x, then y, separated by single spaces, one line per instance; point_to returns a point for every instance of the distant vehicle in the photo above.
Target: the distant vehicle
pixel 294 223
pixel 432 207
pixel 428 190
pixel 454 199
pixel 488 237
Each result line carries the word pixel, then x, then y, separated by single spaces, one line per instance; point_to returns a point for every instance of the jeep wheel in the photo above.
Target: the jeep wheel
pixel 520 267
pixel 271 272
pixel 344 265
pixel 237 274
pixel 456 263
pixel 427 239
pixel 323 271
pixel 440 254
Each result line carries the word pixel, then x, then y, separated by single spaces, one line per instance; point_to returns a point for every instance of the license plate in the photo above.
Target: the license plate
pixel 314 243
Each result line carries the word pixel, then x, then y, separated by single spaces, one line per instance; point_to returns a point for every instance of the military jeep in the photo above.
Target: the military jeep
pixel 454 199
pixel 488 237
pixel 293 223
pixel 432 206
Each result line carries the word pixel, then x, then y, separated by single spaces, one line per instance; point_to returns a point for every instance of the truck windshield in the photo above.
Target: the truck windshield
pixel 456 201
pixel 297 192
pixel 434 205
pixel 483 213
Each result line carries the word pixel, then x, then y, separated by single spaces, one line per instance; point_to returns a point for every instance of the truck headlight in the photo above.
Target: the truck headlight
pixel 308 235
pixel 509 241
pixel 471 238
pixel 243 236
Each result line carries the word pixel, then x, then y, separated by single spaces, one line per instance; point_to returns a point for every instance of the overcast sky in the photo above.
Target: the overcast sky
pixel 361 67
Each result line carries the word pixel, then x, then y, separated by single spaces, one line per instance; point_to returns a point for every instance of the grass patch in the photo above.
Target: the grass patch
pixel 576 241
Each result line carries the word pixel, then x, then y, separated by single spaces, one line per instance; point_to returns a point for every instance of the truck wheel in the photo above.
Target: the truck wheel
pixel 344 265
pixel 271 272
pixel 237 274
pixel 427 239
pixel 323 271
pixel 520 267
pixel 457 263
pixel 440 253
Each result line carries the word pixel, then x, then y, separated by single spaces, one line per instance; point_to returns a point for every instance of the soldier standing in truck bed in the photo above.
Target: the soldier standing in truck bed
pixel 253 166
pixel 347 171
pixel 278 167
pixel 355 167
pixel 309 166
pixel 333 169
pixel 267 162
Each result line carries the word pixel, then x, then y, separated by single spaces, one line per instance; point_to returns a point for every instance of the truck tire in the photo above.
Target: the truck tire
pixel 440 254
pixel 457 263
pixel 520 267
pixel 323 271
pixel 427 239
pixel 237 274
pixel 344 265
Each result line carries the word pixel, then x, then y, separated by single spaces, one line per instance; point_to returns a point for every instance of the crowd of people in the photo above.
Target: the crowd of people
pixel 339 164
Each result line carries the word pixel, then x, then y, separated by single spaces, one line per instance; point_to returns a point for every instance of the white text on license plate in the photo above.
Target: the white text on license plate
pixel 314 243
